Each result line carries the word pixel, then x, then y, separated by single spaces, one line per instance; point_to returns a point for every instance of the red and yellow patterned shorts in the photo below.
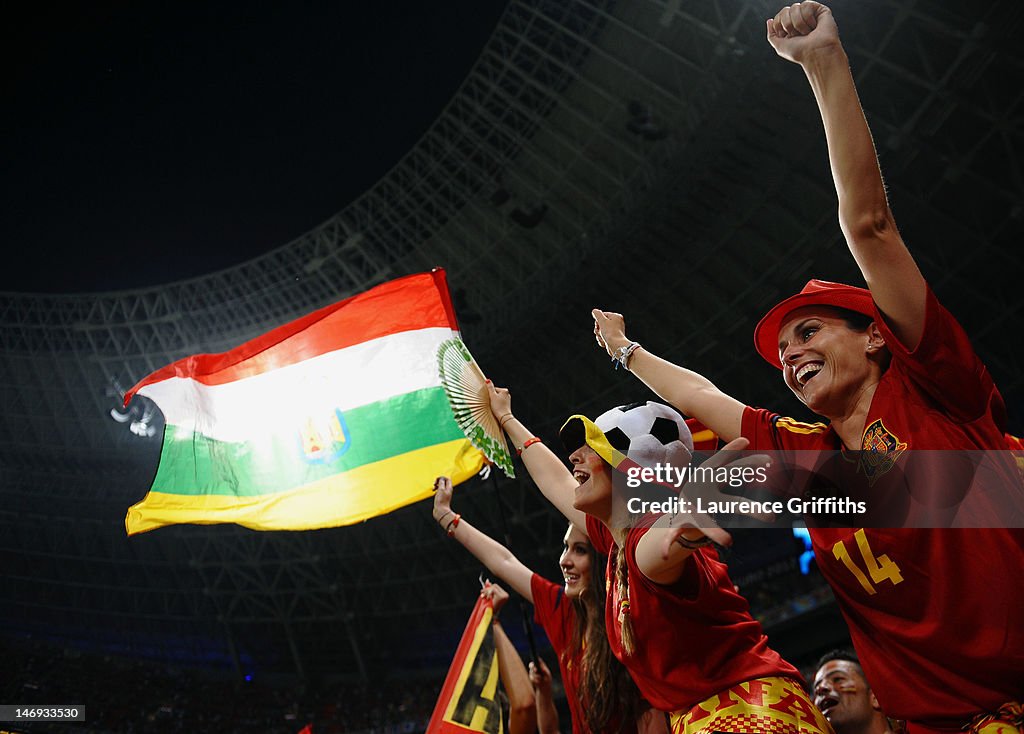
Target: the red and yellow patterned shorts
pixel 759 706
pixel 1009 719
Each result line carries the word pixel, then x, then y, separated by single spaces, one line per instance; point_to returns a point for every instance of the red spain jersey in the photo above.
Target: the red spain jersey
pixel 694 638
pixel 555 613
pixel 936 615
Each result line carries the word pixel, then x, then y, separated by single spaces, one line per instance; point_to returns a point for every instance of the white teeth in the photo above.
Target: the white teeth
pixel 807 371
pixel 580 477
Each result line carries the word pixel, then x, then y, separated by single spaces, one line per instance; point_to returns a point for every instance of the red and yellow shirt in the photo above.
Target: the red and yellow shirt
pixel 936 615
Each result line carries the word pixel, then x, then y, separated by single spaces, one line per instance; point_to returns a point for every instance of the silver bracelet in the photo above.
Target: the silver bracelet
pixel 623 353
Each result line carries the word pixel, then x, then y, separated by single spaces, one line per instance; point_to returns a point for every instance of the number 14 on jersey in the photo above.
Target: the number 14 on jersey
pixel 880 568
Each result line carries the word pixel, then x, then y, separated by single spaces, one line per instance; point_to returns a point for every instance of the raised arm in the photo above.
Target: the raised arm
pixel 522 717
pixel 547 714
pixel 806 34
pixel 499 560
pixel 693 394
pixel 549 473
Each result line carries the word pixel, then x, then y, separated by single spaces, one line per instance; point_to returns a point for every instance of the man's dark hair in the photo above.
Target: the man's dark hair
pixel 847 655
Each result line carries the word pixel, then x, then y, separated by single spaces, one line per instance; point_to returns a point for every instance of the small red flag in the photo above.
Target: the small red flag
pixel 468 700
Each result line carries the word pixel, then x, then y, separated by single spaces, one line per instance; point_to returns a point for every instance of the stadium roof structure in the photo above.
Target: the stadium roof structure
pixel 653 158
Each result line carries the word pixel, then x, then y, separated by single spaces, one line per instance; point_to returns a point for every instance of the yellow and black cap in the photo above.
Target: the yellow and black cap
pixel 647 434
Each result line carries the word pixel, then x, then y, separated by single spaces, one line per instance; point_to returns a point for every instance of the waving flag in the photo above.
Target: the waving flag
pixel 327 420
pixel 468 700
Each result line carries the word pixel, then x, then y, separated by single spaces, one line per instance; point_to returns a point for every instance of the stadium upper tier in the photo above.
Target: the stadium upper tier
pixel 653 158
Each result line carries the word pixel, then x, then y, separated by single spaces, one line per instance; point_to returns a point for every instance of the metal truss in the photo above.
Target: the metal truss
pixel 649 157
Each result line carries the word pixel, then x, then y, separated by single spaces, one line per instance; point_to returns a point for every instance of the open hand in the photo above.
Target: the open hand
pixel 709 491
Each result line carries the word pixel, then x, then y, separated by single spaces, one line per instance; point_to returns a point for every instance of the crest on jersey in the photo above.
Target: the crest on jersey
pixel 880 449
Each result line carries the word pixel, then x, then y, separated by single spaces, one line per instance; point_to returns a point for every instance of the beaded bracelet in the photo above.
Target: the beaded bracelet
pixel 527 444
pixel 452 525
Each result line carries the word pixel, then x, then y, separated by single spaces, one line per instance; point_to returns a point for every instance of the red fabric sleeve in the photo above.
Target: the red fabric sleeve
pixel 758 427
pixel 548 602
pixel 943 364
pixel 600 538
pixel 691 581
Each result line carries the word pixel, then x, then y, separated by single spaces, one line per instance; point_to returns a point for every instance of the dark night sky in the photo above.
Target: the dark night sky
pixel 148 142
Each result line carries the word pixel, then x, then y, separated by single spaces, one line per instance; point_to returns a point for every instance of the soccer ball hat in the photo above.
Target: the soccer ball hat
pixel 644 434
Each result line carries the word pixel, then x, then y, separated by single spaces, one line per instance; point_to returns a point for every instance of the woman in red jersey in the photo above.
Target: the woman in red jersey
pixel 930 607
pixel 601 695
pixel 675 621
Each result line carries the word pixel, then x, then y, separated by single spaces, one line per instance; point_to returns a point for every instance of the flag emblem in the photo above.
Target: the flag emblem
pixel 326 440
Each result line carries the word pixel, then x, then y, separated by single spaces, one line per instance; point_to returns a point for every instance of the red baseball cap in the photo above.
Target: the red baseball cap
pixel 815 293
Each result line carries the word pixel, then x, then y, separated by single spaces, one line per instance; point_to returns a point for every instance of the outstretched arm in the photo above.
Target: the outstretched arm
pixel 499 560
pixel 806 34
pixel 553 479
pixel 693 394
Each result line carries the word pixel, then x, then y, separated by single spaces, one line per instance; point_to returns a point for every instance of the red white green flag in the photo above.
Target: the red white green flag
pixel 328 420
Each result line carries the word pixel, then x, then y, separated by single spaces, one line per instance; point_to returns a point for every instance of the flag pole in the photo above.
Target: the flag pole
pixel 527 626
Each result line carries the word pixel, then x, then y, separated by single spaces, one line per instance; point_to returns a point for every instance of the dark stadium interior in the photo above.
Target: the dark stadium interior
pixel 651 158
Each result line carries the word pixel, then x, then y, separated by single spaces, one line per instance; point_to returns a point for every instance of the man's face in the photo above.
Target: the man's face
pixel 843 695
pixel 824 362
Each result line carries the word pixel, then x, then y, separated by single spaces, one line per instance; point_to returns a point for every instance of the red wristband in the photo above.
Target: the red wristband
pixel 453 524
pixel 527 444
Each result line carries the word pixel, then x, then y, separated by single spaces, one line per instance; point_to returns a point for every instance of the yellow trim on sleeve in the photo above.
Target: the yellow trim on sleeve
pixel 795 426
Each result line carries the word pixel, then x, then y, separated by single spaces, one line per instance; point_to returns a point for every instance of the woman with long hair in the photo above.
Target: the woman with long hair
pixel 601 695
pixel 674 619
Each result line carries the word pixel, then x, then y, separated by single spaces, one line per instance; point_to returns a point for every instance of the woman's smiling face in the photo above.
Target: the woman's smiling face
pixel 575 561
pixel 594 489
pixel 824 361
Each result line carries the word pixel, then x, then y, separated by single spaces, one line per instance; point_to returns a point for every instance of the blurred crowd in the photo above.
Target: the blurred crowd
pixel 123 696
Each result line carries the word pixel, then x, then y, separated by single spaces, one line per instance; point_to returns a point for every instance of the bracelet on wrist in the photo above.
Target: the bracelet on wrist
pixel 439 519
pixel 621 356
pixel 527 444
pixel 453 524
pixel 505 419
pixel 693 544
